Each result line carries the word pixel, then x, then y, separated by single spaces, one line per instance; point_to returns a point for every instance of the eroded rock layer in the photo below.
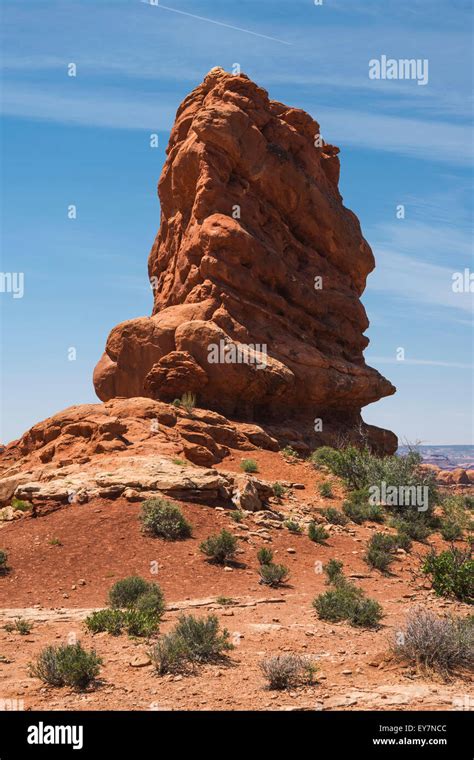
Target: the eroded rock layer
pixel 257 272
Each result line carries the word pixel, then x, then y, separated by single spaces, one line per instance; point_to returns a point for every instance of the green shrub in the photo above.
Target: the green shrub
pixel 286 671
pixel 180 462
pixel 21 505
pixel 67 665
pixel 317 533
pixel 249 465
pixel 451 530
pixel 289 453
pixel 367 613
pixel 3 562
pixel 452 573
pixel 334 516
pixel 225 601
pixel 416 525
pixel 273 575
pixel 125 592
pixel 151 602
pixel 403 541
pixel 380 551
pixel 358 509
pixel 443 645
pixel 325 490
pixel 110 621
pixel 360 469
pixel 278 490
pixel 264 556
pixel 293 526
pixel 21 626
pixel 170 654
pixel 333 570
pixel 345 601
pixel 192 641
pixel 236 515
pixel 162 519
pixel 220 548
pixel 141 623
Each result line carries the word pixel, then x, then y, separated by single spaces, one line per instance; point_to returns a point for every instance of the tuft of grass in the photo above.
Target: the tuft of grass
pixel 325 490
pixel 188 401
pixel 21 626
pixel 237 515
pixel 180 462
pixel 452 573
pixel 67 665
pixel 3 562
pixel 334 516
pixel 286 671
pixel 293 526
pixel 225 601
pixel 55 541
pixel 21 505
pixel 220 548
pixel 273 575
pixel 249 465
pixel 162 519
pixel 436 644
pixel 264 556
pixel 317 533
pixel 278 490
pixel 289 453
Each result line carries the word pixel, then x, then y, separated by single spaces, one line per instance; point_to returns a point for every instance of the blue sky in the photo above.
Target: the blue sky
pixel 85 140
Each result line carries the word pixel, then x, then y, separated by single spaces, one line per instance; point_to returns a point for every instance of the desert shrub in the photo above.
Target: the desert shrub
pixel 334 516
pixel 3 562
pixel 188 401
pixel 333 570
pixel 325 490
pixel 317 533
pixel 21 505
pixel 21 626
pixel 451 530
pixel 220 548
pixel 236 515
pixel 345 601
pixel 67 665
pixel 278 490
pixel 170 654
pixel 358 509
pixel 380 551
pixel 293 526
pixel 264 556
pixel 180 462
pixel 289 452
pixel 273 575
pixel 284 671
pixel 366 613
pixel 225 601
pixel 452 573
pixel 403 540
pixel 151 602
pixel 360 469
pixel 140 623
pixel 437 644
pixel 249 465
pixel 125 592
pixel 110 621
pixel 417 525
pixel 192 641
pixel 162 519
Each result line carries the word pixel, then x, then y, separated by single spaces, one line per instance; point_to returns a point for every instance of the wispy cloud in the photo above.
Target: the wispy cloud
pixel 417 362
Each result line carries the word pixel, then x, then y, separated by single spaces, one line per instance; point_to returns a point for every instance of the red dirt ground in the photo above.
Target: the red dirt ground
pixel 101 542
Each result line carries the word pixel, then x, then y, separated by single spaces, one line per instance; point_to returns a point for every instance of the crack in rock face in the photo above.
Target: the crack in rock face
pixel 257 272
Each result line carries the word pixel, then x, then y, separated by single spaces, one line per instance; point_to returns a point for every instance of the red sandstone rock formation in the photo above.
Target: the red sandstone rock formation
pixel 251 214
